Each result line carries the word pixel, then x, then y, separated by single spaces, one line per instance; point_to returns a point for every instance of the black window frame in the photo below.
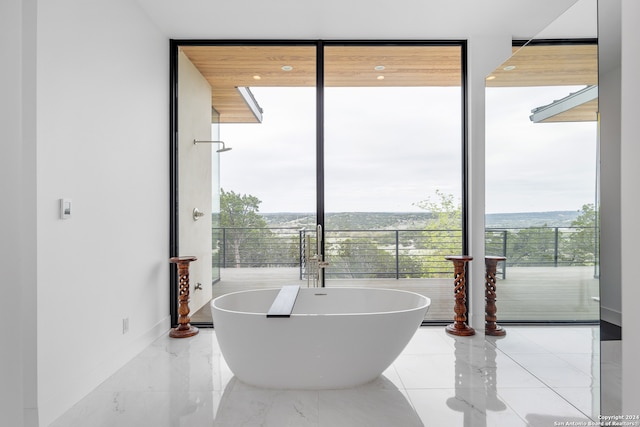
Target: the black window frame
pixel 174 199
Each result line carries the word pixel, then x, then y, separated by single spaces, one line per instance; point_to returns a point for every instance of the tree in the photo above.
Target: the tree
pixel 531 246
pixel 586 218
pixel 240 211
pixel 360 257
pixel 544 245
pixel 445 213
pixel 243 225
pixel 581 244
pixel 442 235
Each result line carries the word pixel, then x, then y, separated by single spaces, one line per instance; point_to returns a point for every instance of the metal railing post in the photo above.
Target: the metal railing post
pixel 224 248
pixel 555 250
pixel 397 255
pixel 301 238
pixel 504 253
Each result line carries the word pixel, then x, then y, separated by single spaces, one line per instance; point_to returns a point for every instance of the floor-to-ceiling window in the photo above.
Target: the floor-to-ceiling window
pixel 262 145
pixel 541 185
pixel 364 139
pixel 393 146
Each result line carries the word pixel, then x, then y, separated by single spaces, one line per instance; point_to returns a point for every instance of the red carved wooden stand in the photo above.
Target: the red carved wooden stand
pixel 184 328
pixel 460 327
pixel 490 326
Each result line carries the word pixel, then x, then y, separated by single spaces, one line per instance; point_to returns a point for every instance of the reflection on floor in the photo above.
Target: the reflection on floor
pixel 534 376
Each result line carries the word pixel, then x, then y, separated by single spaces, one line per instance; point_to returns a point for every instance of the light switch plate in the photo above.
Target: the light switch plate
pixel 65 208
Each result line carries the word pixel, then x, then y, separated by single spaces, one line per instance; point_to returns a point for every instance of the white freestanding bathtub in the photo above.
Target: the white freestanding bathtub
pixel 334 337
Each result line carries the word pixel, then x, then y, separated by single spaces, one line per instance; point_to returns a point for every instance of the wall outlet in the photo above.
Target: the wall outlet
pixel 125 325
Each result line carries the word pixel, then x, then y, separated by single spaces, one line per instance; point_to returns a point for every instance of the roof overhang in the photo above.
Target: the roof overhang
pixel 551 63
pixel 230 69
pixel 576 107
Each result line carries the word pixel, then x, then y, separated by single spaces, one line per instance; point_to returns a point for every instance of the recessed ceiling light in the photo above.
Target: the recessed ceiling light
pixel 287 68
pixel 491 77
pixel 380 77
pixel 257 77
pixel 379 67
pixel 509 67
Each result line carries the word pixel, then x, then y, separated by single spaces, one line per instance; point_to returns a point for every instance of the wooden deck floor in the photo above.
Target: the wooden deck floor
pixel 528 293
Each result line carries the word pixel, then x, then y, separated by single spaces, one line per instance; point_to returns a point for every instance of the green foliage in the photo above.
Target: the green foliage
pixel 539 246
pixel 238 210
pixel 245 228
pixel 582 244
pixel 442 234
pixel 445 213
pixel 586 218
pixel 535 245
pixel 416 242
pixel 359 257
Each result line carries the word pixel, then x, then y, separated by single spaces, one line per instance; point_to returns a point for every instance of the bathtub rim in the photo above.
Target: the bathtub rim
pixel 425 304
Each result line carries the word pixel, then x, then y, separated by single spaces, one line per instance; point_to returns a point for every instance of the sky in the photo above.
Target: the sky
pixel 536 167
pixel 388 149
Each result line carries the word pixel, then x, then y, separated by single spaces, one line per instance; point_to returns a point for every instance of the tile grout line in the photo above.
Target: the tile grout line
pixel 543 382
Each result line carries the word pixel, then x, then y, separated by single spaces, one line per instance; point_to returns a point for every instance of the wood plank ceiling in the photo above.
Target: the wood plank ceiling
pixel 228 67
pixel 552 65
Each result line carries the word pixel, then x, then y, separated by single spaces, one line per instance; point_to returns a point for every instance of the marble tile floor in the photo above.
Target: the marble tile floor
pixel 534 376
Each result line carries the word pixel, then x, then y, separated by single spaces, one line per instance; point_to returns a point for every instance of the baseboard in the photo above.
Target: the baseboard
pixel 610 324
pixel 611 316
pixel 609 331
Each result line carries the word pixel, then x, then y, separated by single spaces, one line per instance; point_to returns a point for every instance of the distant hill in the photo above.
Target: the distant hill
pixel 531 219
pixel 414 220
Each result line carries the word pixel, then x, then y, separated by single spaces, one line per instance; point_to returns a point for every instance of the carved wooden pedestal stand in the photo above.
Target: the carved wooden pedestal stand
pixel 490 326
pixel 184 328
pixel 460 327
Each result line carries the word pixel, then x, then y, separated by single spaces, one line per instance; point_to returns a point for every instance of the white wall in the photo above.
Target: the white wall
pixel 609 108
pixel 194 178
pixel 630 153
pixel 484 55
pixel 12 229
pixel 610 231
pixel 17 217
pixel 102 134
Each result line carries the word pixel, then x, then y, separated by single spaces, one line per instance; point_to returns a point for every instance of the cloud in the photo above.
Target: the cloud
pixel 536 166
pixel 388 148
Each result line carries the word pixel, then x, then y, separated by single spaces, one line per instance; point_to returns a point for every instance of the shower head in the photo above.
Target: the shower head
pixel 221 150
